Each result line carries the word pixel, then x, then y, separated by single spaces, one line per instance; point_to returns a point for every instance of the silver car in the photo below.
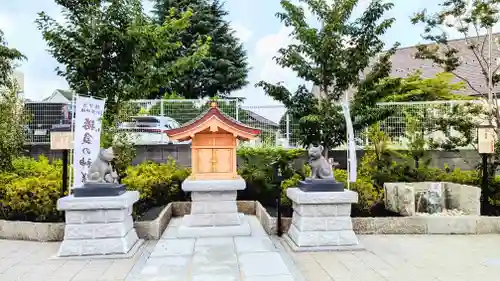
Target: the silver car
pixel 145 130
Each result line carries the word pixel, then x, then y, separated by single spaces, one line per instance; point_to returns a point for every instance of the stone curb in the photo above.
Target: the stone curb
pixel 401 225
pixel 48 232
pixel 147 230
pixel 152 230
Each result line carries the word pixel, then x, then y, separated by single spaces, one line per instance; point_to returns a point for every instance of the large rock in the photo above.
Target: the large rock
pixel 431 197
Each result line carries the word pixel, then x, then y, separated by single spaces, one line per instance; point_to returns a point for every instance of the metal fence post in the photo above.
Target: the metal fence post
pixel 237 110
pixel 287 118
pixel 162 112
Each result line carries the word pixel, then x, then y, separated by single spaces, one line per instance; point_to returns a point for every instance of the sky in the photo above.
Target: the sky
pixel 254 22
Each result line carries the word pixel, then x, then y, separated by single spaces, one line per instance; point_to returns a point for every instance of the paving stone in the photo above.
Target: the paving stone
pixel 271 278
pixel 88 275
pixel 170 233
pixel 254 244
pixel 319 275
pixel 174 247
pixel 214 244
pixel 387 258
pixel 262 264
pixel 216 260
pixel 39 272
pixel 165 266
pixel 118 270
pixel 214 277
pixel 227 229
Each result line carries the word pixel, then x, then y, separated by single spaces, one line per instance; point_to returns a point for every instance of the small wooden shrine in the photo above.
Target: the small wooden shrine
pixel 214 138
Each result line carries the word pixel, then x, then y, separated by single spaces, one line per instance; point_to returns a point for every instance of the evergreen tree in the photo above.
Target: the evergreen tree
pixel 224 70
pixel 111 48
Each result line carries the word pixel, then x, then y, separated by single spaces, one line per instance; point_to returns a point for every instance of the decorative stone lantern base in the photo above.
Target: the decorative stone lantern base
pixel 213 209
pixel 321 221
pixel 99 226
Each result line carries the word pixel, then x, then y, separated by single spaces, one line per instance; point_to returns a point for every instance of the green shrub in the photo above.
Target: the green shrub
pixel 292 182
pixel 494 200
pixel 368 194
pixel 256 168
pixel 158 184
pixel 30 192
pixel 472 177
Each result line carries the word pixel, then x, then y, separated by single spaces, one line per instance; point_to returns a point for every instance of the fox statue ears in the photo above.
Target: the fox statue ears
pixel 320 147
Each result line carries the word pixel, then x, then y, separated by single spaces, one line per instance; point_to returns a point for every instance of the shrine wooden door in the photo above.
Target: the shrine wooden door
pixel 204 166
pixel 215 156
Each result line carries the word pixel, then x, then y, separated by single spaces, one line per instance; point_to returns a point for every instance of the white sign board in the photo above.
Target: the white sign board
pixel 486 140
pixel 87 136
pixel 61 140
pixel 351 144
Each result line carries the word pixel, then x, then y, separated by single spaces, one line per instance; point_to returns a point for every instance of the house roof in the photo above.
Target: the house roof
pixel 405 63
pixel 261 119
pixel 208 118
pixel 65 93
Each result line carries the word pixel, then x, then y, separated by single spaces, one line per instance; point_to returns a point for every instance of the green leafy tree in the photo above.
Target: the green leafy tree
pixel 332 57
pixel 11 107
pixel 111 49
pixel 416 88
pixel 8 58
pixel 378 162
pixel 224 69
pixel 471 19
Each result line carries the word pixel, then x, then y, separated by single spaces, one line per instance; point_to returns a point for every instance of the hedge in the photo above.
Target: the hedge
pixel 30 192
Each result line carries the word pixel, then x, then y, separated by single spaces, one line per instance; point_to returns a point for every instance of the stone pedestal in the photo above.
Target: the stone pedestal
pixel 213 209
pixel 321 221
pixel 98 226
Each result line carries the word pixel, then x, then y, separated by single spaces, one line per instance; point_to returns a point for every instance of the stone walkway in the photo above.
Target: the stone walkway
pixel 387 258
pixel 408 258
pixel 34 261
pixel 252 258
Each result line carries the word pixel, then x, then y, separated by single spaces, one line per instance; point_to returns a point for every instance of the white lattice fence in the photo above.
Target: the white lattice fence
pixel 428 112
pixel 144 116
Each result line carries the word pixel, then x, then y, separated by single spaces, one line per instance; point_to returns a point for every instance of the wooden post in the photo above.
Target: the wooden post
pixel 65 164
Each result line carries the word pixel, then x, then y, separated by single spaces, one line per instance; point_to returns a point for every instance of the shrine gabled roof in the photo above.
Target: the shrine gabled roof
pixel 200 123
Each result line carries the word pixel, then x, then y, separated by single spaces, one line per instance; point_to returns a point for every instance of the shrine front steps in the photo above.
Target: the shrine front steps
pixel 214 212
pixel 187 231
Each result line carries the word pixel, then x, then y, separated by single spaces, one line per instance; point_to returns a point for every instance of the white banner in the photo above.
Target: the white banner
pixel 88 114
pixel 351 144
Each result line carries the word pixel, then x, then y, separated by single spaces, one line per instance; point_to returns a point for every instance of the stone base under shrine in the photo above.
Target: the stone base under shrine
pixel 321 221
pixel 213 209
